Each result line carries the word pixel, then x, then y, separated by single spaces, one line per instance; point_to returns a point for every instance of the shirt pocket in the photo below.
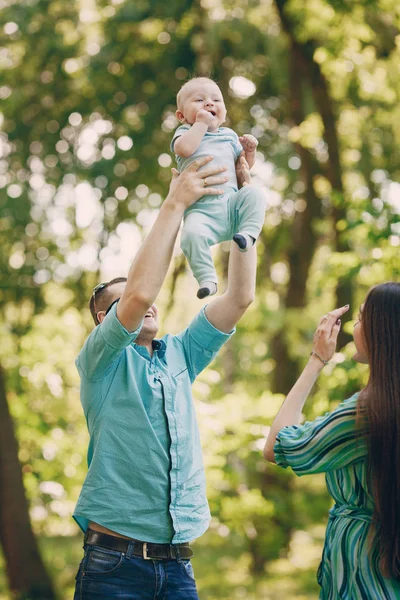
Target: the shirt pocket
pixel 179 371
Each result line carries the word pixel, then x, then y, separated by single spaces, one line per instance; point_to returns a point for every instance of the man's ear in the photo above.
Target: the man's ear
pixel 180 116
pixel 100 315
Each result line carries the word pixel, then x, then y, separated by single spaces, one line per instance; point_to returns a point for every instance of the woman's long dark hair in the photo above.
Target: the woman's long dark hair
pixel 379 410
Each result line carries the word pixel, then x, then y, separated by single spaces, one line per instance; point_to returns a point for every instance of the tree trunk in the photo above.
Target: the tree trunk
pixel 27 576
pixel 273 533
pixel 344 292
pixel 324 104
pixel 303 236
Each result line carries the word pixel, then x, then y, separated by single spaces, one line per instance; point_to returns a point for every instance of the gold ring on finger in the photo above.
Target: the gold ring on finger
pixel 205 181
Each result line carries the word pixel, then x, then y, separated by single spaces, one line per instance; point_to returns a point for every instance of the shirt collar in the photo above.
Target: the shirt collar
pixel 160 346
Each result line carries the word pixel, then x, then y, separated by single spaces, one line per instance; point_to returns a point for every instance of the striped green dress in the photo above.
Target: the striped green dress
pixel 330 445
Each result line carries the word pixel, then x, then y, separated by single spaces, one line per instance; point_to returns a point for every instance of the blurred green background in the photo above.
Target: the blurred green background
pixel 87 93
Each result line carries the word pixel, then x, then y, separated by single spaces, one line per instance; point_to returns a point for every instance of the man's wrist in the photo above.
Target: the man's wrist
pixel 172 204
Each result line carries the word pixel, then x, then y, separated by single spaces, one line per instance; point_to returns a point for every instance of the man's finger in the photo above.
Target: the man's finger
pixel 175 173
pixel 205 173
pixel 213 191
pixel 200 162
pixel 214 180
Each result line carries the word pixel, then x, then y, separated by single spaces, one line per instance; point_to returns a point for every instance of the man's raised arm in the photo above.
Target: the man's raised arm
pixel 151 263
pixel 226 310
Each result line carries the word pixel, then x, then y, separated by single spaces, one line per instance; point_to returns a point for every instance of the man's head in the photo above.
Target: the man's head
pixel 106 294
pixel 103 297
pixel 200 93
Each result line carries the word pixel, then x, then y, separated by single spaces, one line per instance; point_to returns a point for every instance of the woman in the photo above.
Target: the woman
pixel 358 447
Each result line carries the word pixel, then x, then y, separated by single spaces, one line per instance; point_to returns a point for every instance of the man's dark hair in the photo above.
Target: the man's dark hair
pixel 101 297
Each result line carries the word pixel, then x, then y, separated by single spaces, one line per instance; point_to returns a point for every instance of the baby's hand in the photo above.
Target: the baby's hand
pixel 203 116
pixel 249 142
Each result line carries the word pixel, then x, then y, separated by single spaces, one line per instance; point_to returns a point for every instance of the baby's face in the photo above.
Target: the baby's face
pixel 202 96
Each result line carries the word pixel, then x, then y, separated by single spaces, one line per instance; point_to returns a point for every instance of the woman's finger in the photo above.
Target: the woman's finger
pixel 338 312
pixel 335 330
pixel 331 317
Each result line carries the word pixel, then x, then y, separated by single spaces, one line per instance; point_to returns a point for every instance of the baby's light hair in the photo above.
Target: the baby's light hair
pixel 187 83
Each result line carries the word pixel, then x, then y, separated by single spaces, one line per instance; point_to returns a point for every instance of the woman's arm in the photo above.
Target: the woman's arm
pixel 323 348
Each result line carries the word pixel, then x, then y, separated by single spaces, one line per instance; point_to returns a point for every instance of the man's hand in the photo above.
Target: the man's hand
pixel 242 171
pixel 249 142
pixel 193 183
pixel 204 116
pixel 152 260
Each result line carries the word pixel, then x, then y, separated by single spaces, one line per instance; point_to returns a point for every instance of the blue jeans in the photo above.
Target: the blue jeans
pixel 107 574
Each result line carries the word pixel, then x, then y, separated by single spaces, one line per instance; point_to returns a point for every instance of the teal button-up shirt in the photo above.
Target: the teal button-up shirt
pixel 146 476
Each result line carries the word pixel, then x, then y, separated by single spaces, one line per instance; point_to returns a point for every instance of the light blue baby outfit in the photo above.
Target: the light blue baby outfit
pixel 215 219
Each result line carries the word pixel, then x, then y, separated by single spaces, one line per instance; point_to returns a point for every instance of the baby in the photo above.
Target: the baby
pixel 237 214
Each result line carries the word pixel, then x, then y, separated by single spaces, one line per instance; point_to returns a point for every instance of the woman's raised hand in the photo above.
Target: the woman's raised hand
pixel 195 182
pixel 327 332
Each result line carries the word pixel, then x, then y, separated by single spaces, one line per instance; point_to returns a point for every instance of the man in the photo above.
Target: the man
pixel 144 499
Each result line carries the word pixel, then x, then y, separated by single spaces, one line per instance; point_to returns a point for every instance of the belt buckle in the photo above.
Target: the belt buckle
pixel 144 548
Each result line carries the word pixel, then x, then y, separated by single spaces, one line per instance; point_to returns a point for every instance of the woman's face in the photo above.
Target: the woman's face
pixel 361 351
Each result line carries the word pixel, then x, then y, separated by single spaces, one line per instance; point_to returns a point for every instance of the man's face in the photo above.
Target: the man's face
pixel 202 95
pixel 150 323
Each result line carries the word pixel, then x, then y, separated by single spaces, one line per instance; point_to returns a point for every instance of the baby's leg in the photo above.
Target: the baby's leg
pixel 200 231
pixel 248 208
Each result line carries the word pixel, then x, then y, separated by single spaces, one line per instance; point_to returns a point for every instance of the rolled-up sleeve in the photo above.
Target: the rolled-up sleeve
pixel 104 345
pixel 201 342
pixel 328 443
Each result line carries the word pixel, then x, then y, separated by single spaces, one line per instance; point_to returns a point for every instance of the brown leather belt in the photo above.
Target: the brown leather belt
pixel 146 550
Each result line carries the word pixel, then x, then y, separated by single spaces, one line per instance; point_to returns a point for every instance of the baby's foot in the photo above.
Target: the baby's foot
pixel 207 288
pixel 244 241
